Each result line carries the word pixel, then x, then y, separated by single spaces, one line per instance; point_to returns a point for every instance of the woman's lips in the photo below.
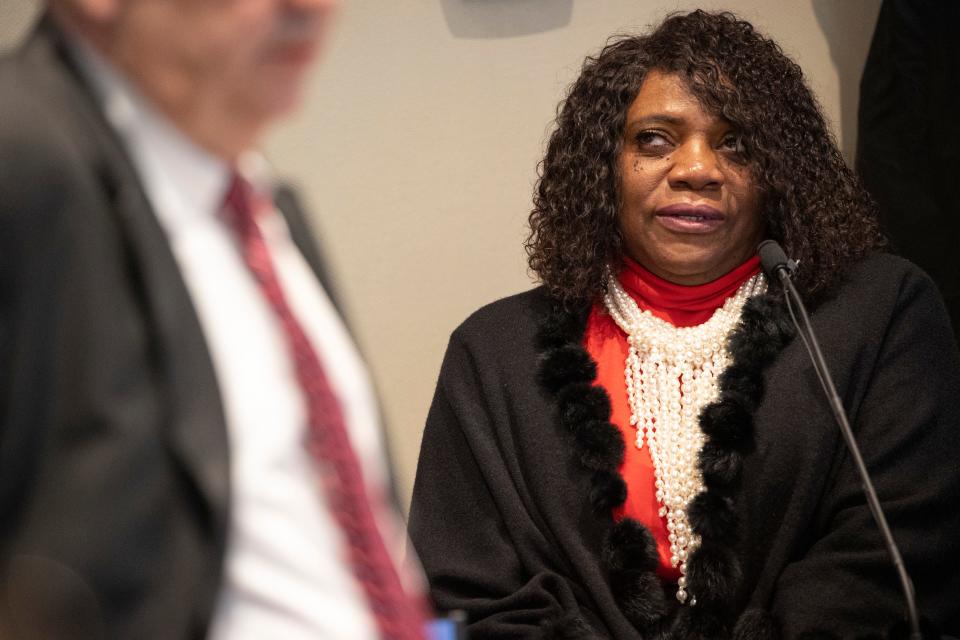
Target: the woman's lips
pixel 688 218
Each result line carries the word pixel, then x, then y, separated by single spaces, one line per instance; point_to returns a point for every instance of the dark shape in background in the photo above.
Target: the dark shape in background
pixel 908 150
pixel 504 18
pixel 847 26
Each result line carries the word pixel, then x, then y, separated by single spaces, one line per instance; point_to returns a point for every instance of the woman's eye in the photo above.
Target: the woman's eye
pixel 735 147
pixel 652 140
pixel 733 143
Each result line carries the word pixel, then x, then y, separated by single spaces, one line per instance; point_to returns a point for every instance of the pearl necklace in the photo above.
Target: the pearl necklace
pixel 671 374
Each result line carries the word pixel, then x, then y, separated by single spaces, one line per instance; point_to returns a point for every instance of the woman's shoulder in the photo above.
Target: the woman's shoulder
pixel 500 336
pixel 887 266
pixel 518 312
pixel 517 328
pixel 886 278
pixel 880 290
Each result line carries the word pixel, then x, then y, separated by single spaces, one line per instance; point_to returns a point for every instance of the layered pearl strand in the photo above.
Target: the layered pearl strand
pixel 671 374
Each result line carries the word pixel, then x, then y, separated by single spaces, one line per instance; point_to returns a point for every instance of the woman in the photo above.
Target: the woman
pixel 639 448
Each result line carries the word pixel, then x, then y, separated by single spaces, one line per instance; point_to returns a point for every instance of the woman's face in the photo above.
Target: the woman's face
pixel 688 204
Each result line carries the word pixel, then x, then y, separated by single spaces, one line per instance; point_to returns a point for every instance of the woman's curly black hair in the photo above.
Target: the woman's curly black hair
pixel 812 202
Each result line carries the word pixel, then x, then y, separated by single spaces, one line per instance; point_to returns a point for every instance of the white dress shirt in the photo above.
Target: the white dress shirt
pixel 286 574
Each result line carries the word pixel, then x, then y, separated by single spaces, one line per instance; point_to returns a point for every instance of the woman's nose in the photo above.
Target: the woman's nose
pixel 696 167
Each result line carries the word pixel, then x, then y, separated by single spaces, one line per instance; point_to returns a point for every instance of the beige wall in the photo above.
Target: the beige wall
pixel 15 17
pixel 419 139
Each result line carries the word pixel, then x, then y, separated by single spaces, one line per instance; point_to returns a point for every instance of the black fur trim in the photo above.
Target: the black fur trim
pixel 712 515
pixel 630 546
pixel 600 446
pixel 608 490
pixel 658 631
pixel 565 365
pixel 765 328
pixel 581 403
pixel 566 372
pixel 571 626
pixel 560 327
pixel 630 554
pixel 713 571
pixel 745 380
pixel 720 466
pixel 697 623
pixel 713 575
pixel 727 423
pixel 639 594
pixel 756 624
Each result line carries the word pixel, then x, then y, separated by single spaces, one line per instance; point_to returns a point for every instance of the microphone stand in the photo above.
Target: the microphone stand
pixel 783 269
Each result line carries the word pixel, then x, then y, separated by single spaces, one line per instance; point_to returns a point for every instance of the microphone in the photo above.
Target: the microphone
pixel 774 259
pixel 777 266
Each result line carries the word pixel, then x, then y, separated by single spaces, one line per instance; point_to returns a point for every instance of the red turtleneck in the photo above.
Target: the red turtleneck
pixel 682 306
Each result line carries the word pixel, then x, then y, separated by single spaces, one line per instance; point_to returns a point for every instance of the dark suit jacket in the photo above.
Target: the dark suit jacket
pixel 113 452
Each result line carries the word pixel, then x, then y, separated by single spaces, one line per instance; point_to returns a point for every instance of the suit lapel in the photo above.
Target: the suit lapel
pixel 197 433
pixel 289 206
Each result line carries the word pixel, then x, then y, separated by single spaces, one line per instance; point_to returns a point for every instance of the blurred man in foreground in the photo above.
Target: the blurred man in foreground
pixel 189 444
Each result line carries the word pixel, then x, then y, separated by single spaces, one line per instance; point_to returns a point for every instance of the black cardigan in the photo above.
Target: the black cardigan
pixel 511 512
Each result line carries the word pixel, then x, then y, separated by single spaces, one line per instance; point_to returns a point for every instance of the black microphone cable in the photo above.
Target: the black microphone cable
pixel 775 263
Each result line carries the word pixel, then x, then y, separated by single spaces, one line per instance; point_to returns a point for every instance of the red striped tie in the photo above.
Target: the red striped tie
pixel 398 616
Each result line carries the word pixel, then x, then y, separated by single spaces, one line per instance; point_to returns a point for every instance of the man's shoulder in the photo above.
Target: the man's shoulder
pixel 45 141
pixel 21 102
pixel 34 121
pixel 51 177
pixel 43 98
pixel 39 150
